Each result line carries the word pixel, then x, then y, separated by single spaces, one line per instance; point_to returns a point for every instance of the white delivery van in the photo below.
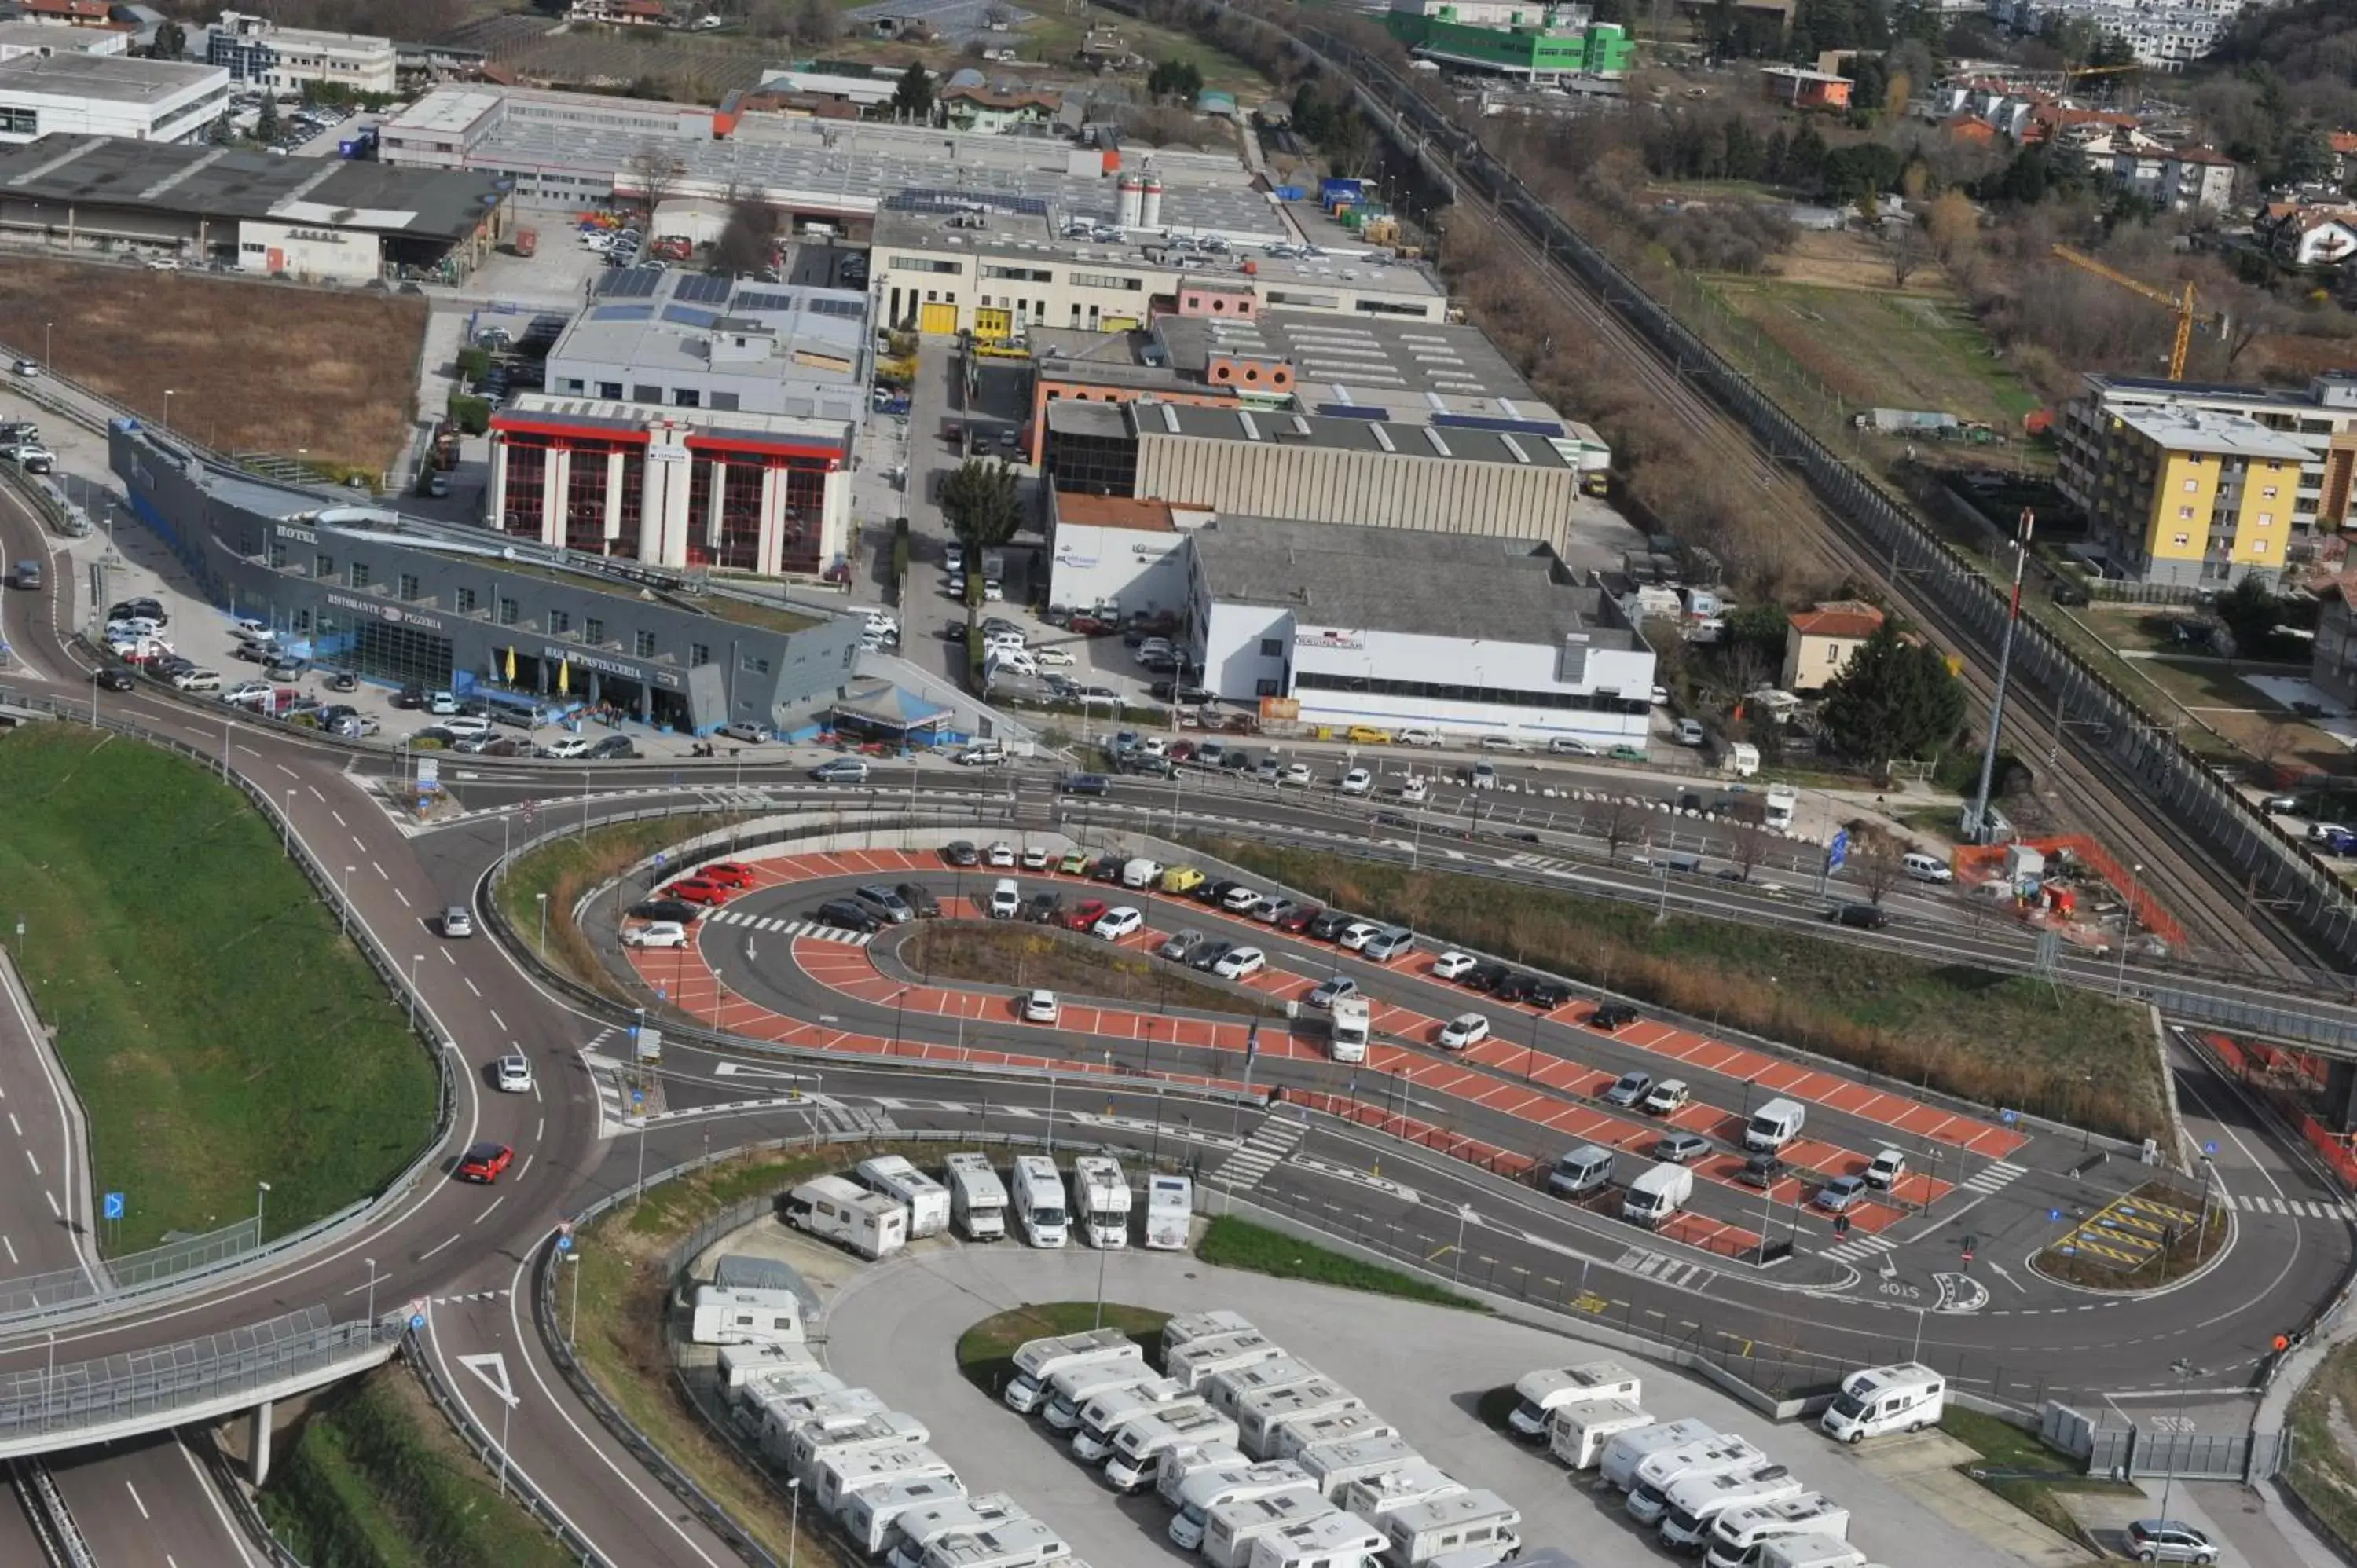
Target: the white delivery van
pixel 977 1198
pixel 1809 1551
pixel 1172 1470
pixel 1169 1212
pixel 1739 1533
pixel 1350 1024
pixel 843 1476
pixel 1100 1201
pixel 1105 1414
pixel 814 1441
pixel 1227 1390
pixel 1334 1465
pixel 1586 1169
pixel 831 1208
pixel 1330 1541
pixel 1541 1393
pixel 1480 1525
pixel 1036 1360
pixel 926 1200
pixel 1199 1361
pixel 1070 1390
pixel 1649 1491
pixel 1628 1450
pixel 1578 1433
pixel 1773 1125
pixel 1013 1543
pixel 1259 1415
pixel 1656 1195
pixel 921 1527
pixel 869 1515
pixel 1904 1398
pixel 1290 1439
pixel 1210 1488
pixel 1388 1491
pixel 1141 872
pixel 1039 1201
pixel 1696 1501
pixel 1231 1528
pixel 1187 1325
pixel 1138 1445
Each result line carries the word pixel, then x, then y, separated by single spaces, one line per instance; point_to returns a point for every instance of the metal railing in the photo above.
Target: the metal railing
pixel 487 1452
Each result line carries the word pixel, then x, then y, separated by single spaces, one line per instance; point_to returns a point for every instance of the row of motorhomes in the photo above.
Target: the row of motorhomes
pixel 887 1202
pixel 1704 1491
pixel 867 1470
pixel 1266 1462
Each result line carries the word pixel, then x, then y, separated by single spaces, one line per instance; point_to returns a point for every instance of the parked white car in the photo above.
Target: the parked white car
pixel 1116 924
pixel 656 934
pixel 1240 964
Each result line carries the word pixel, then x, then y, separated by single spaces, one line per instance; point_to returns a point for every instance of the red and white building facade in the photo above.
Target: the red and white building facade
pixel 766 495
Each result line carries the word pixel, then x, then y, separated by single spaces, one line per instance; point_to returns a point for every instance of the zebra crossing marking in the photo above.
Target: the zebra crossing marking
pixel 1663 1269
pixel 2306 1209
pixel 1858 1249
pixel 816 930
pixel 1993 1176
pixel 1270 1143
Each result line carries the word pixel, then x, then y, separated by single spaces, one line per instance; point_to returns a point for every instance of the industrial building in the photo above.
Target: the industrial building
pixel 2120 445
pixel 348 222
pixel 1340 626
pixel 451 125
pixel 1535 42
pixel 28 38
pixel 1113 551
pixel 409 602
pixel 76 94
pixel 257 51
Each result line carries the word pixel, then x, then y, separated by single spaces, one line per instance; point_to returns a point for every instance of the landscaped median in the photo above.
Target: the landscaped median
pixel 556 875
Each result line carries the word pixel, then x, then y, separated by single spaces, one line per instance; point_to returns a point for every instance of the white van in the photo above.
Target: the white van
pixel 1587 1168
pixel 1141 872
pixel 1773 1125
pixel 1169 1212
pixel 1926 867
pixel 1905 1398
pixel 1005 899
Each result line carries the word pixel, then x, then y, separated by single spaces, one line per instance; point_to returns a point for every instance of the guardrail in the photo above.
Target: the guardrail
pixel 489 1453
pixel 257 1529
pixel 53 1523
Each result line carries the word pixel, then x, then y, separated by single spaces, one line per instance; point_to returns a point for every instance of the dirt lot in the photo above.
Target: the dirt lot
pixel 339 377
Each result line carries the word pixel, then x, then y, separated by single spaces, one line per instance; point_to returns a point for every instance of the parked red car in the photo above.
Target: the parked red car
pixel 1297 918
pixel 1083 915
pixel 697 890
pixel 728 874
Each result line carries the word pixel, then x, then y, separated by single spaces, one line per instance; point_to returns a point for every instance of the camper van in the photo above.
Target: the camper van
pixel 1036 1360
pixel 1227 1390
pixel 1696 1501
pixel 1578 1434
pixel 772 1407
pixel 1100 1201
pixel 1231 1528
pixel 1013 1543
pixel 921 1527
pixel 1330 1541
pixel 1625 1452
pixel 834 1209
pixel 1782 802
pixel 1388 1491
pixel 1192 1325
pixel 1039 1201
pixel 1773 1125
pixel 1180 1464
pixel 1072 1391
pixel 926 1200
pixel 1259 1415
pixel 813 1441
pixel 977 1198
pixel 1138 1445
pixel 1334 1465
pixel 869 1515
pixel 1350 1024
pixel 1103 1416
pixel 1649 1495
pixel 742 1364
pixel 747 1316
pixel 1290 1439
pixel 1905 1398
pixel 1482 1526
pixel 1544 1392
pixel 1197 1363
pixel 1811 1551
pixel 1210 1488
pixel 840 1477
pixel 1169 1212
pixel 1738 1534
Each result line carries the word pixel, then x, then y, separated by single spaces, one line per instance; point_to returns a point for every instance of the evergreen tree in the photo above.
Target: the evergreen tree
pixel 1893 699
pixel 912 98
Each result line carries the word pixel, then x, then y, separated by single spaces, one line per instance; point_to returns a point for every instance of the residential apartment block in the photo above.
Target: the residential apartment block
pixel 256 49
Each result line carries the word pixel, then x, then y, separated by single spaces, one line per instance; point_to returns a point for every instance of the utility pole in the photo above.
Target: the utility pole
pixel 1977 825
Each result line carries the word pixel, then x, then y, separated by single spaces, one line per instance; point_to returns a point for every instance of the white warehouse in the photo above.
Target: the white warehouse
pixel 1390 626
pixel 108 95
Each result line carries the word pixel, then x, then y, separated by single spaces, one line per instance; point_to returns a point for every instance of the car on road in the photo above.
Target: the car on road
pixel 1838 1193
pixel 1084 784
pixel 511 1074
pixel 28 368
pixel 566 748
pixel 1035 858
pixel 656 934
pixel 1680 1148
pixel 730 873
pixel 1001 855
pixel 961 852
pixel 1887 1167
pixel 919 898
pixel 1861 917
pixel 1178 945
pixel 847 915
pixel 483 1162
pixel 1610 1016
pixel 1629 1089
pixel 1465 1030
pixel 1118 923
pixel 675 910
pixel 1357 781
pixel 2168 1540
pixel 113 680
pixel 1240 963
pixel 1239 899
pixel 697 890
pixel 841 770
pixel 1041 1007
pixel 1454 965
pixel 1415 734
pixel 458 922
pixel 1332 990
pixel 1570 745
pixel 1665 1096
pixel 613 748
pixel 1761 1171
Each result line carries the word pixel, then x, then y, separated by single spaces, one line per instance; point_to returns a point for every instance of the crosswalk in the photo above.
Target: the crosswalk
pixel 1666 1269
pixel 1858 1249
pixel 1270 1143
pixel 814 929
pixel 1993 1176
pixel 853 1119
pixel 2308 1208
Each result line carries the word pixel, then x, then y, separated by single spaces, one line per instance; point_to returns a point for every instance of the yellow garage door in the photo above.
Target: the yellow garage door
pixel 994 326
pixel 938 320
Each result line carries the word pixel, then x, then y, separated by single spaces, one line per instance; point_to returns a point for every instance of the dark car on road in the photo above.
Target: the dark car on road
pixel 613 748
pixel 1863 917
pixel 113 680
pixel 847 916
pixel 1084 784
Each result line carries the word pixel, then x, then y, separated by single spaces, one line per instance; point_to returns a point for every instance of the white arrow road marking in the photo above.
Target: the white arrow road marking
pixel 492 1369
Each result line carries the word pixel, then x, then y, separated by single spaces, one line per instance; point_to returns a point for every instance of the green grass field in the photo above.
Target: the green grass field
pixel 1875 350
pixel 2322 1471
pixel 2003 1446
pixel 219 1030
pixel 1233 1243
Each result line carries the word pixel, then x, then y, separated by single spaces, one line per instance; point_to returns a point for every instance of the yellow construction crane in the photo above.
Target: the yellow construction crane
pixel 2181 304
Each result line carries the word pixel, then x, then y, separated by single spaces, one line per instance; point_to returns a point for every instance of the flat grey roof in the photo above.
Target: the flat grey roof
pixel 663 321
pixel 1409 369
pixel 225 182
pixel 1404 580
pixel 1453 444
pixel 117 79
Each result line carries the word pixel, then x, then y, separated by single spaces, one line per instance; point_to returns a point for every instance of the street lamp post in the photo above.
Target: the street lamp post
pixel 542 899
pixel 794 1532
pixel 2186 1372
pixel 260 1191
pixel 167 411
pixel 414 959
pixel 900 1012
pixel 2127 933
pixel 289 823
pixel 572 1329
pixel 344 910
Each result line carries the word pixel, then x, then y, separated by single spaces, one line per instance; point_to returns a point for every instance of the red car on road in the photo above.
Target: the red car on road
pixel 484 1161
pixel 1084 915
pixel 697 890
pixel 728 874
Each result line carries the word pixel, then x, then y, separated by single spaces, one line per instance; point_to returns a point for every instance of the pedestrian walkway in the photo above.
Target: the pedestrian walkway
pixel 1993 1176
pixel 1665 1270
pixel 1858 1250
pixel 2308 1208
pixel 1270 1143
pixel 814 929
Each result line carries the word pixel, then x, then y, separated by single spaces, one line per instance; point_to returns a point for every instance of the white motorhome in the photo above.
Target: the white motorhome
pixel 1169 1212
pixel 1624 1452
pixel 1072 1390
pixel 921 1527
pixel 1782 802
pixel 1580 1432
pixel 1809 1552
pixel 1649 1494
pixel 1138 1445
pixel 1695 1502
pixel 781 1416
pixel 1180 1465
pixel 1330 1541
pixel 1739 1535
pixel 1334 1465
pixel 869 1518
pixel 1207 1489
pixel 833 1208
pixel 1557 1388
pixel 1105 1414
pixel 1904 1398
pixel 1231 1528
pixel 742 1364
pixel 1188 1326
pixel 1773 1125
pixel 1289 1438
pixel 926 1200
pixel 1038 1360
pixel 1349 1024
pixel 1387 1491
pixel 814 1441
pixel 1230 1389
pixel 1259 1415
pixel 1015 1543
pixel 1197 1361
pixel 745 1316
pixel 1039 1201
pixel 1100 1201
pixel 1481 1525
pixel 840 1477
pixel 977 1198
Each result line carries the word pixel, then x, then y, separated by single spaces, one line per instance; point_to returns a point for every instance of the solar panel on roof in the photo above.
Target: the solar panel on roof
pixel 701 288
pixel 622 313
pixel 630 282
pixel 689 315
pixel 763 302
pixel 850 309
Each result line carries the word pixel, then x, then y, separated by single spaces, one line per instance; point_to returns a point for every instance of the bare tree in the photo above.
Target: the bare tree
pixel 1746 851
pixel 1622 822
pixel 654 173
pixel 2275 741
pixel 1874 860
pixel 1904 245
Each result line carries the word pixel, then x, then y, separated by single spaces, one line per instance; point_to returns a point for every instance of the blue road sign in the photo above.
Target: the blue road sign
pixel 416 1321
pixel 663 993
pixel 638 1097
pixel 2210 1147
pixel 1838 851
pixel 2054 1217
pixel 2009 1117
pixel 565 1243
pixel 114 1205
pixel 661 855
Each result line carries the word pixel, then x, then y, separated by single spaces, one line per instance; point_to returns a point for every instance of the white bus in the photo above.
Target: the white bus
pixel 1039 1201
pixel 977 1198
pixel 926 1200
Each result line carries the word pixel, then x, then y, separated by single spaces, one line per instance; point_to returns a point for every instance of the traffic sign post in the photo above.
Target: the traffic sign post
pixel 1836 852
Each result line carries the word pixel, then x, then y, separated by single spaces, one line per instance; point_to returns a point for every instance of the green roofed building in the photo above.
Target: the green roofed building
pixel 1538 42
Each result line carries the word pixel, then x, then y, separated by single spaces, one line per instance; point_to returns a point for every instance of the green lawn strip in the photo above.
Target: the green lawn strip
pixel 568 867
pixel 1070 963
pixel 1996 1039
pixel 985 1352
pixel 219 1029
pixel 2003 1446
pixel 375 1479
pixel 1232 1244
pixel 2321 1471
